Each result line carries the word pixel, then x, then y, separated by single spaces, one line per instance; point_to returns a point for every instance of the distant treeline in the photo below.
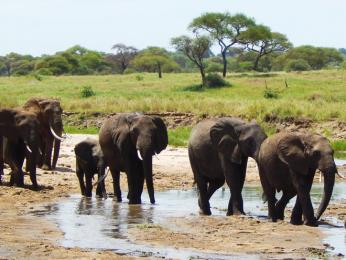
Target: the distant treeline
pixel 245 46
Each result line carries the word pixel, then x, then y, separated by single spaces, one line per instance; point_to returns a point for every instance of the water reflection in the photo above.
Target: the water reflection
pixel 104 224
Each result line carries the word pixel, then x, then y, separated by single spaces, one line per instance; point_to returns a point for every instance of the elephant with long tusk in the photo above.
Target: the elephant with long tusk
pixel 49 114
pixel 128 142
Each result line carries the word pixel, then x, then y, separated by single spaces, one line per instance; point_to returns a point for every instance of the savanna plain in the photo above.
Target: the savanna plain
pixel 306 101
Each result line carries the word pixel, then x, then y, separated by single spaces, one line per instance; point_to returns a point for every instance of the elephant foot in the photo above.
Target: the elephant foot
pixel 296 221
pixel 135 201
pixel 280 216
pixel 46 167
pixel 205 212
pixel 311 223
pixel 119 199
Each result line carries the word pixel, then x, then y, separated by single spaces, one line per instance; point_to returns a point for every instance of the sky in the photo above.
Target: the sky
pixel 46 26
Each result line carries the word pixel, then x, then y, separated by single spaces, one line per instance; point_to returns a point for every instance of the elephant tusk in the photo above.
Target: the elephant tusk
pixel 342 177
pixel 320 178
pixel 55 135
pixel 39 151
pixel 102 178
pixel 139 155
pixel 28 148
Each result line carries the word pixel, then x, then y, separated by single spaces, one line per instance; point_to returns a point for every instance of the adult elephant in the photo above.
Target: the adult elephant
pixel 287 163
pixel 128 142
pixel 49 114
pixel 19 137
pixel 218 151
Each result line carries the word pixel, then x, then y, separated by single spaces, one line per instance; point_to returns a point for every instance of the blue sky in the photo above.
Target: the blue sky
pixel 46 26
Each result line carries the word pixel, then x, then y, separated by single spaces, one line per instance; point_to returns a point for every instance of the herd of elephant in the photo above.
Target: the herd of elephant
pixel 218 151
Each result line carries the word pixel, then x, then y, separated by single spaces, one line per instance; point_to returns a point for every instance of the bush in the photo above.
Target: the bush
pixel 139 77
pixel 297 65
pixel 214 80
pixel 129 71
pixel 214 67
pixel 270 93
pixel 87 91
pixel 44 72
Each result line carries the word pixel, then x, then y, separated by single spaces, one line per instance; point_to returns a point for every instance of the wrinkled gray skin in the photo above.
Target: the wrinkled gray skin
pixel 49 114
pixel 90 160
pixel 19 130
pixel 218 151
pixel 287 163
pixel 125 137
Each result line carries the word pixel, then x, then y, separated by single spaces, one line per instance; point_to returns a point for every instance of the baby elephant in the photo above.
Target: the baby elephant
pixel 90 160
pixel 287 163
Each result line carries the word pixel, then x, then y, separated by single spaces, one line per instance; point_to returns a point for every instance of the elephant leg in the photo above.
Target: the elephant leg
pixel 135 181
pixel 101 187
pixel 269 194
pixel 88 184
pixel 213 186
pixel 297 213
pixel 47 165
pixel 281 204
pixel 235 177
pixel 80 175
pixel 203 195
pixel 1 159
pixel 116 183
pixel 303 185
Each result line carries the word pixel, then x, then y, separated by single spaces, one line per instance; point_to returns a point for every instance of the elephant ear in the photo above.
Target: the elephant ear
pixel 121 135
pixel 225 139
pixel 162 136
pixel 294 152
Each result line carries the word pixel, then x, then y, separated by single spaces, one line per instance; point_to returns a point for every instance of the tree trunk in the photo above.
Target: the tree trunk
pixel 159 69
pixel 204 83
pixel 255 66
pixel 224 59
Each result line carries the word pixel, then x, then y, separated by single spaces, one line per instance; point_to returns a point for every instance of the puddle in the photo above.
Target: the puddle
pixel 103 224
pixel 340 162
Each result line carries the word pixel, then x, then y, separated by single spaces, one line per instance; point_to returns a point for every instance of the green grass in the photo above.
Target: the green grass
pixel 78 130
pixel 319 95
pixel 339 147
pixel 179 136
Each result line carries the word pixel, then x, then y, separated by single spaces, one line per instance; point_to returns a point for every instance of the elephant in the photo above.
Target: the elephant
pixel 49 114
pixel 287 163
pixel 90 160
pixel 218 151
pixel 128 142
pixel 19 138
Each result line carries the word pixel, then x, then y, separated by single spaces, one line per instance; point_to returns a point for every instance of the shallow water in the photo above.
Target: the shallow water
pixel 103 224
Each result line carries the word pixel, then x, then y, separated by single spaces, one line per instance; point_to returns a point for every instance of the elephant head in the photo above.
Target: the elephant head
pixel 235 138
pixel 306 153
pixel 148 135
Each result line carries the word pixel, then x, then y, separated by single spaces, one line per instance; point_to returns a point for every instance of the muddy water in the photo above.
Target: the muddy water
pixel 103 224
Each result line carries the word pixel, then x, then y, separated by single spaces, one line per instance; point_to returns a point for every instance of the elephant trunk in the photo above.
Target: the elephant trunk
pixel 148 174
pixel 329 180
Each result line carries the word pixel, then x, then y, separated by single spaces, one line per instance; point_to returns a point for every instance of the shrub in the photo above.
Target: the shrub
pixel 44 72
pixel 87 91
pixel 37 76
pixel 139 77
pixel 214 67
pixel 297 65
pixel 129 71
pixel 214 80
pixel 270 93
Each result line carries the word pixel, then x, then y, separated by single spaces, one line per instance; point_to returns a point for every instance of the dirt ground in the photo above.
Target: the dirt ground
pixel 26 236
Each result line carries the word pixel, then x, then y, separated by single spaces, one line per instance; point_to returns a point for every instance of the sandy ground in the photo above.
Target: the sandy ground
pixel 26 236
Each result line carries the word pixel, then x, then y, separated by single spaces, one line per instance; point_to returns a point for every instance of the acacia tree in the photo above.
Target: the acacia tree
pixel 154 59
pixel 225 28
pixel 262 41
pixel 195 49
pixel 123 55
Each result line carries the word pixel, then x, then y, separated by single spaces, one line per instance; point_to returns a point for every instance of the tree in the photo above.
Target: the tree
pixel 261 40
pixel 195 49
pixel 225 28
pixel 123 56
pixel 154 59
pixel 12 60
